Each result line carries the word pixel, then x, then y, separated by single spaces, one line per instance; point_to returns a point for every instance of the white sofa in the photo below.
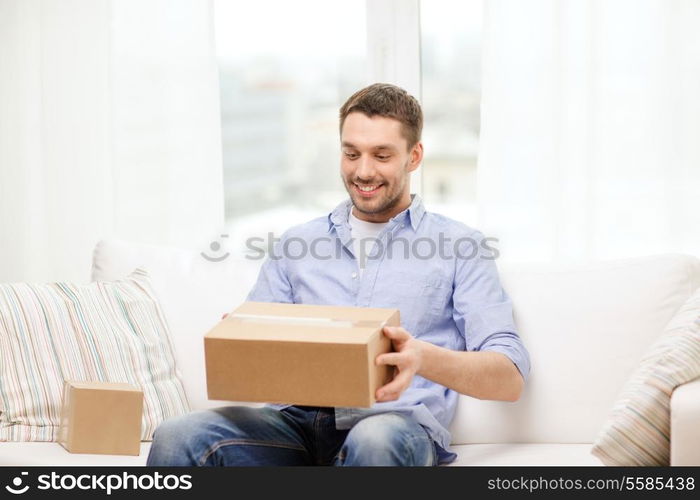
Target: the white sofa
pixel 586 328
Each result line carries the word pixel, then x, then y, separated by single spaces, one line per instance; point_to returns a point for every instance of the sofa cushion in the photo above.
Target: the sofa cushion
pixel 586 328
pixel 531 454
pixel 105 331
pixel 53 454
pixel 637 431
pixel 524 454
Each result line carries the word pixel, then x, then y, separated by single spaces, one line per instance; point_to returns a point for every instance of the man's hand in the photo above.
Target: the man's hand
pixel 407 361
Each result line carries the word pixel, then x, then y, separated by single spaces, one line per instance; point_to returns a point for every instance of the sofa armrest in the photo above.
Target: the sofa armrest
pixel 685 431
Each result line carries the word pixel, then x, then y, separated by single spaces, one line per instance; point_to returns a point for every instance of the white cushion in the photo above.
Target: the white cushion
pixel 193 292
pixel 524 454
pixel 51 454
pixel 586 328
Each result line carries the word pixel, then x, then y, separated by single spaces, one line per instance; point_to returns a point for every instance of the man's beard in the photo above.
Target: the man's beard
pixel 388 202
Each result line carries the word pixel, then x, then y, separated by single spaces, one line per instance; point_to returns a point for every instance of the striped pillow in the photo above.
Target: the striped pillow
pixel 103 331
pixel 638 429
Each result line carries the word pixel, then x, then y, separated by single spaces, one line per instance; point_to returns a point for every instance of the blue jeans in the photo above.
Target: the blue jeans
pixel 296 435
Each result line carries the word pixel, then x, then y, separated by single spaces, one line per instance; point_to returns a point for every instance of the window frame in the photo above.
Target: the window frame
pixel 394 51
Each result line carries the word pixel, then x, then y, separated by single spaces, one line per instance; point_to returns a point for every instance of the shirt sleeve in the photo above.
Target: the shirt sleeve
pixel 483 311
pixel 273 283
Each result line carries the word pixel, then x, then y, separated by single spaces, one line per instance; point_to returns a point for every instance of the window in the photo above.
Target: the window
pixel 287 67
pixel 285 70
pixel 451 74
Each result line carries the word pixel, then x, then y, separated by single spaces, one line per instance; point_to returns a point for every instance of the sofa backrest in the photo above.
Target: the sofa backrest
pixel 194 293
pixel 586 328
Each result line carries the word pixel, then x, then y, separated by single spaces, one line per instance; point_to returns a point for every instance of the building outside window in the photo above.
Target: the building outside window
pixel 283 78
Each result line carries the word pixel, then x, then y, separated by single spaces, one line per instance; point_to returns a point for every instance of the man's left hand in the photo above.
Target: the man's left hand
pixel 407 360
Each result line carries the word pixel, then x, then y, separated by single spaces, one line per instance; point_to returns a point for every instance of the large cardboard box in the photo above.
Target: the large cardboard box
pixel 101 417
pixel 299 354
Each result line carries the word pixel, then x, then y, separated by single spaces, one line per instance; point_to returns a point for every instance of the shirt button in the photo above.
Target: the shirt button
pixel 354 275
pixel 403 225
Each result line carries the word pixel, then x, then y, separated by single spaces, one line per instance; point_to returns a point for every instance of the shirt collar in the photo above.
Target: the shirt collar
pixel 414 212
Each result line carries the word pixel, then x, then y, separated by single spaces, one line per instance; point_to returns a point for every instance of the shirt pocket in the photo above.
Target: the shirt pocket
pixel 436 297
pixel 426 299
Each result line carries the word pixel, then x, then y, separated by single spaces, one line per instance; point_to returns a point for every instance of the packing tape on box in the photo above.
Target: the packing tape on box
pixel 308 321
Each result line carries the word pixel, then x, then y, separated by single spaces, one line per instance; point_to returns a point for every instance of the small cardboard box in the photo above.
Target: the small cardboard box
pixel 101 417
pixel 299 354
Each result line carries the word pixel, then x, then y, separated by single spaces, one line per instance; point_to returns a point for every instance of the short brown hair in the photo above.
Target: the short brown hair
pixel 390 101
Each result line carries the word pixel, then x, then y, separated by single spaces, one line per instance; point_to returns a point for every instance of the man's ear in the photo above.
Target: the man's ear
pixel 416 156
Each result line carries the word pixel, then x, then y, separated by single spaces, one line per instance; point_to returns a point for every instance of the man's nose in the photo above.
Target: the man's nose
pixel 365 168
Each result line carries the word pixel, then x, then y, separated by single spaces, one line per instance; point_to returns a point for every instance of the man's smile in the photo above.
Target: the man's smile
pixel 367 191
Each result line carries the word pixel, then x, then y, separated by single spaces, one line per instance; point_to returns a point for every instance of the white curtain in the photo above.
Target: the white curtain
pixel 590 141
pixel 109 127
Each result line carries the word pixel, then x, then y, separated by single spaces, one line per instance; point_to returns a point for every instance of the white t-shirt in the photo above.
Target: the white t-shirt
pixel 367 232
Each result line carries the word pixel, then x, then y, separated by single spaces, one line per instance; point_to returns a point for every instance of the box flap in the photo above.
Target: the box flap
pixel 112 386
pixel 348 313
pixel 301 323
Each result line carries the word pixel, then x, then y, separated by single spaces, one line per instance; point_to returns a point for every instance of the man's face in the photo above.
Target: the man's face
pixel 376 164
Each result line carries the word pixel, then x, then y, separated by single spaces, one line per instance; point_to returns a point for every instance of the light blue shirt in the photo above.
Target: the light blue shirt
pixel 440 274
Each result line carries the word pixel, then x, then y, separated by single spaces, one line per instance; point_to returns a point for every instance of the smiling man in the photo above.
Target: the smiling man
pixel 457 333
